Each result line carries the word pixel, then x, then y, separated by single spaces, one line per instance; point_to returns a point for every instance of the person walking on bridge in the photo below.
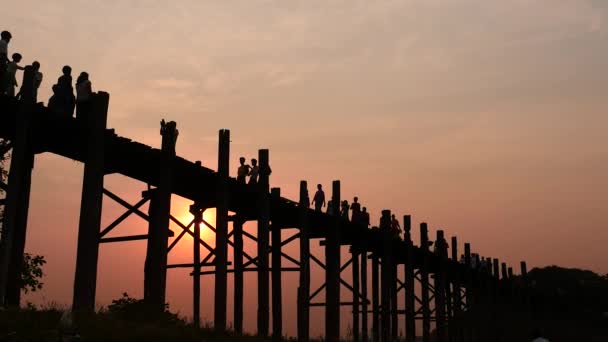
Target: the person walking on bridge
pixel 65 101
pixel 319 199
pixel 255 171
pixel 11 75
pixel 355 207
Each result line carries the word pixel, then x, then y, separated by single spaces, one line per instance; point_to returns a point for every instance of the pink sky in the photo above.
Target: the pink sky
pixel 485 119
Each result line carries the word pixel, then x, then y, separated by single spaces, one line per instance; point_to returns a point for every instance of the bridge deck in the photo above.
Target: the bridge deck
pixel 66 136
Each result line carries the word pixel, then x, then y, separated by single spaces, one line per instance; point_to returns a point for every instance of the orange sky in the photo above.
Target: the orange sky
pixel 486 119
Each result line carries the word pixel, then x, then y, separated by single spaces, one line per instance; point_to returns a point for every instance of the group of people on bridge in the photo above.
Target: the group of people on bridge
pixel 63 101
pixel 252 171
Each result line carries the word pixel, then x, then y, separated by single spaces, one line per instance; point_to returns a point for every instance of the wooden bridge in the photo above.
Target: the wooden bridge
pixel 455 298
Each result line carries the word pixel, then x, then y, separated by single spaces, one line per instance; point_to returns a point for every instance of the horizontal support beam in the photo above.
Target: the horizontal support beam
pixel 323 304
pixel 124 238
pixel 206 264
pixel 283 269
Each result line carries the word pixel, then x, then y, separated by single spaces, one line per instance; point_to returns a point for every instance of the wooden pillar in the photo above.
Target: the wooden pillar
pixel 410 309
pixel 364 307
pixel 13 295
pixel 332 272
pixel 456 331
pixel 393 299
pixel 496 271
pixel 85 279
pixel 468 273
pixel 155 268
pixel 304 284
pixel 263 228
pixel 197 211
pixel 356 305
pixel 424 277
pixel 440 312
pixel 221 233
pixel 277 309
pixel 375 301
pixel 386 268
pixel 238 274
pixel 503 269
pixel 17 201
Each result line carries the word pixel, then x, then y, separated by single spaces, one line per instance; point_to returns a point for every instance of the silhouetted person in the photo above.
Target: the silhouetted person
pixel 5 39
pixel 84 92
pixel 37 79
pixel 319 199
pixel 65 92
pixel 11 74
pixel 55 101
pixel 365 217
pixel 255 171
pixel 330 207
pixel 395 226
pixel 355 207
pixel 344 209
pixel 243 171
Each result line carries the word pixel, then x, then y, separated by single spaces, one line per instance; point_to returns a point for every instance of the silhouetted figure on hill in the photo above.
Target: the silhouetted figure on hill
pixel 254 173
pixel 5 39
pixel 319 199
pixel 344 209
pixel 395 226
pixel 365 217
pixel 66 101
pixel 355 207
pixel 243 171
pixel 84 91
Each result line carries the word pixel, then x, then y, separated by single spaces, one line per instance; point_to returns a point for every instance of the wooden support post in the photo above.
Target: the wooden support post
pixel 197 211
pixel 375 302
pixel 355 252
pixel 238 274
pixel 440 313
pixel 159 210
pixel 503 269
pixel 332 272
pixel 393 299
pixel 364 307
pixel 410 309
pixel 277 309
pixel 469 336
pixel 456 332
pixel 85 279
pixel 386 278
pixel 304 284
pixel 221 233
pixel 263 228
pixel 496 271
pixel 424 280
pixel 17 202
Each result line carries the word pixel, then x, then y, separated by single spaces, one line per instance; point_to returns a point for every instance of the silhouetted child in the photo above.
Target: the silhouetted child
pixel 356 209
pixel 344 209
pixel 65 92
pixel 11 74
pixel 319 199
pixel 330 207
pixel 84 93
pixel 255 170
pixel 243 171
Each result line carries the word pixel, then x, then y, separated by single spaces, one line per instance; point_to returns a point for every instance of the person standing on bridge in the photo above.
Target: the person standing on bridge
pixel 66 101
pixel 344 209
pixel 356 209
pixel 5 39
pixel 11 74
pixel 255 171
pixel 243 171
pixel 395 227
pixel 365 217
pixel 319 199
pixel 84 92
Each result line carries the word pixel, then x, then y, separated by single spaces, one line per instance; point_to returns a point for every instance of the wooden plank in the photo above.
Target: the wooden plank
pixel 85 278
pixel 221 233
